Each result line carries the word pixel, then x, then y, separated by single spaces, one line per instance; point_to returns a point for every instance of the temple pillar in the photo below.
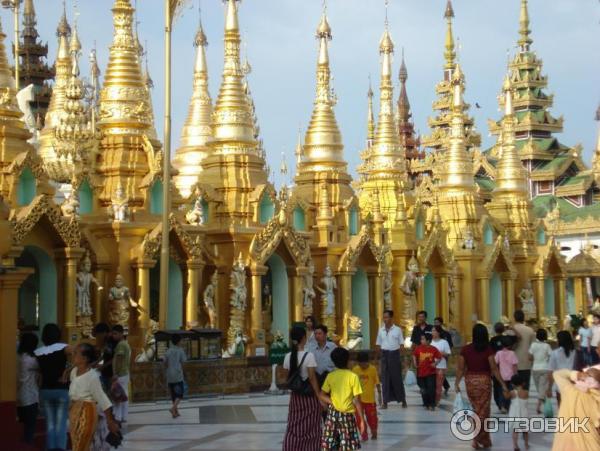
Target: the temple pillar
pixel 398 269
pixel 344 308
pixel 194 273
pixel 101 298
pixel 579 291
pixel 444 304
pixel 467 295
pixel 538 288
pixel 509 295
pixel 72 257
pixel 484 300
pixel 561 298
pixel 376 306
pixel 297 301
pixel 143 293
pixel 257 332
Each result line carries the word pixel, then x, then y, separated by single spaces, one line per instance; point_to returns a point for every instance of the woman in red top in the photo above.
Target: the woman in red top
pixel 476 363
pixel 425 359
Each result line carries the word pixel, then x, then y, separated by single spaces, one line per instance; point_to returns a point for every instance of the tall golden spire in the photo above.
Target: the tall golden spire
pixel 524 31
pixel 13 134
pixel 124 104
pixel 235 164
pixel 323 147
pixel 450 53
pixel 457 173
pixel 370 117
pixel 197 129
pixel 63 68
pixel 510 175
pixel 403 102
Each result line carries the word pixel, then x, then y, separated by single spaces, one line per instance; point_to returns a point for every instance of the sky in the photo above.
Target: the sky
pixel 278 38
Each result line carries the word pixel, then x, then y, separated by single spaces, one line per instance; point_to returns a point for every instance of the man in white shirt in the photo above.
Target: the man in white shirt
pixel 321 349
pixel 389 345
pixel 595 341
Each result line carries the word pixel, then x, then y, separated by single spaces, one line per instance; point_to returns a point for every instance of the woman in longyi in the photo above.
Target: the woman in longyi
pixel 90 412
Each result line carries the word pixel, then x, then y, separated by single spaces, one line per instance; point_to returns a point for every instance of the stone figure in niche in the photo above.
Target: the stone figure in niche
pixel 387 290
pixel 308 289
pixel 469 240
pixel 84 280
pixel 209 300
pixel 528 301
pixel 329 284
pixel 196 215
pixel 411 282
pixel 239 293
pixel 119 303
pixel 119 206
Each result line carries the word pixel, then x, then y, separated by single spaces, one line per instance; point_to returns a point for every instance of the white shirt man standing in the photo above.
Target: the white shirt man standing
pixel 389 345
pixel 321 349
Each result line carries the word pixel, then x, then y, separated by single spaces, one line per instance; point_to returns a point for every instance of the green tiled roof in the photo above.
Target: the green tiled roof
pixel 543 204
pixel 576 179
pixel 583 212
pixel 541 143
pixel 551 164
pixel 485 183
pixel 540 115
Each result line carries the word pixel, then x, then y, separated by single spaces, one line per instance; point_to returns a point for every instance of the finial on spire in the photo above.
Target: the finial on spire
pixel 63 29
pixel 231 20
pixel 386 23
pixel 449 54
pixel 370 116
pixel 403 74
pixel 508 99
pixel 457 82
pixel 525 40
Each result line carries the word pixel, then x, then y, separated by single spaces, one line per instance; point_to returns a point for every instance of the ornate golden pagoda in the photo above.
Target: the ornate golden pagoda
pixel 197 130
pixel 440 125
pixel 127 150
pixel 406 127
pixel 383 169
pixel 234 166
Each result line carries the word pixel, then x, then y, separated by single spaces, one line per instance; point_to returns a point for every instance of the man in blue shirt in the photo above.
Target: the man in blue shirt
pixel 321 349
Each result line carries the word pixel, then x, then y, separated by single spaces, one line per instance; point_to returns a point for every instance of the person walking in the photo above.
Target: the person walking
pixel 442 345
pixel 341 391
pixel 389 344
pixel 518 397
pixel 477 365
pixel 525 336
pixel 173 360
pixel 562 358
pixel 539 353
pixel 121 364
pixel 507 362
pixel 420 328
pixel 425 360
pixel 445 335
pixel 303 431
pixel 585 342
pixel 310 322
pixel 369 380
pixel 54 390
pixel 321 348
pixel 90 415
pixel 27 385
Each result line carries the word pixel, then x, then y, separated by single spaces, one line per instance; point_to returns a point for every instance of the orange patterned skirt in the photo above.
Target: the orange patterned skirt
pixel 83 418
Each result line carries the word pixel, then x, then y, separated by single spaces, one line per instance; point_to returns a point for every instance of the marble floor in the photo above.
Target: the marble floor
pixel 257 422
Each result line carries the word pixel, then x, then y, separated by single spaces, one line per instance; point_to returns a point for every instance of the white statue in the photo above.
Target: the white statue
pixel 209 299
pixel 308 288
pixel 411 282
pixel 387 290
pixel 238 347
pixel 527 301
pixel 469 240
pixel 237 285
pixel 70 207
pixel 329 285
pixel 83 284
pixel 119 206
pixel 24 98
pixel 196 215
pixel 147 354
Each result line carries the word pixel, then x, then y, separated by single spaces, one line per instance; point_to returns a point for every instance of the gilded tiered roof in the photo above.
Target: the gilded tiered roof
pixel 197 129
pixel 440 124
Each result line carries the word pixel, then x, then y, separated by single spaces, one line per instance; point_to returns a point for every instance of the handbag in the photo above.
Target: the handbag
pixel 410 378
pixel 548 409
pixel 117 393
pixel 298 385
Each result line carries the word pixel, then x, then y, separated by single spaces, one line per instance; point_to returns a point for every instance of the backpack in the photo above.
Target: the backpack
pixel 298 385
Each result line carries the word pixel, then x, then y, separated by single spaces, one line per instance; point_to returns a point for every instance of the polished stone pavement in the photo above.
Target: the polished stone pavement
pixel 257 422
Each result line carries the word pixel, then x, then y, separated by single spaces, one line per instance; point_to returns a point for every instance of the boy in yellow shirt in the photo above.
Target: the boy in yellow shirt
pixel 369 379
pixel 341 390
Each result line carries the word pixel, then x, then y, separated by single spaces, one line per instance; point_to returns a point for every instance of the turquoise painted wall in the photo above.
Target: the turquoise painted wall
pixel 549 302
pixel 299 219
pixel 267 209
pixel 280 293
pixel 205 211
pixel 353 221
pixel 420 229
pixel 495 297
pixel 86 198
pixel 429 293
pixel 571 296
pixel 360 303
pixel 156 198
pixel 541 236
pixel 488 235
pixel 43 281
pixel 175 310
pixel 26 187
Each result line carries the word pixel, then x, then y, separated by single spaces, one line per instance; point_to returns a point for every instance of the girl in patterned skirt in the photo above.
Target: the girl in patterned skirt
pixel 341 390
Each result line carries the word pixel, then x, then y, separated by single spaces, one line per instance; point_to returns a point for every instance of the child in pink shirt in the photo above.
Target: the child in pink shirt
pixel 507 362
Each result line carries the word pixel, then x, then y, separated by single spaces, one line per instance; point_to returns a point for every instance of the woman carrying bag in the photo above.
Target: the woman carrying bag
pixel 304 417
